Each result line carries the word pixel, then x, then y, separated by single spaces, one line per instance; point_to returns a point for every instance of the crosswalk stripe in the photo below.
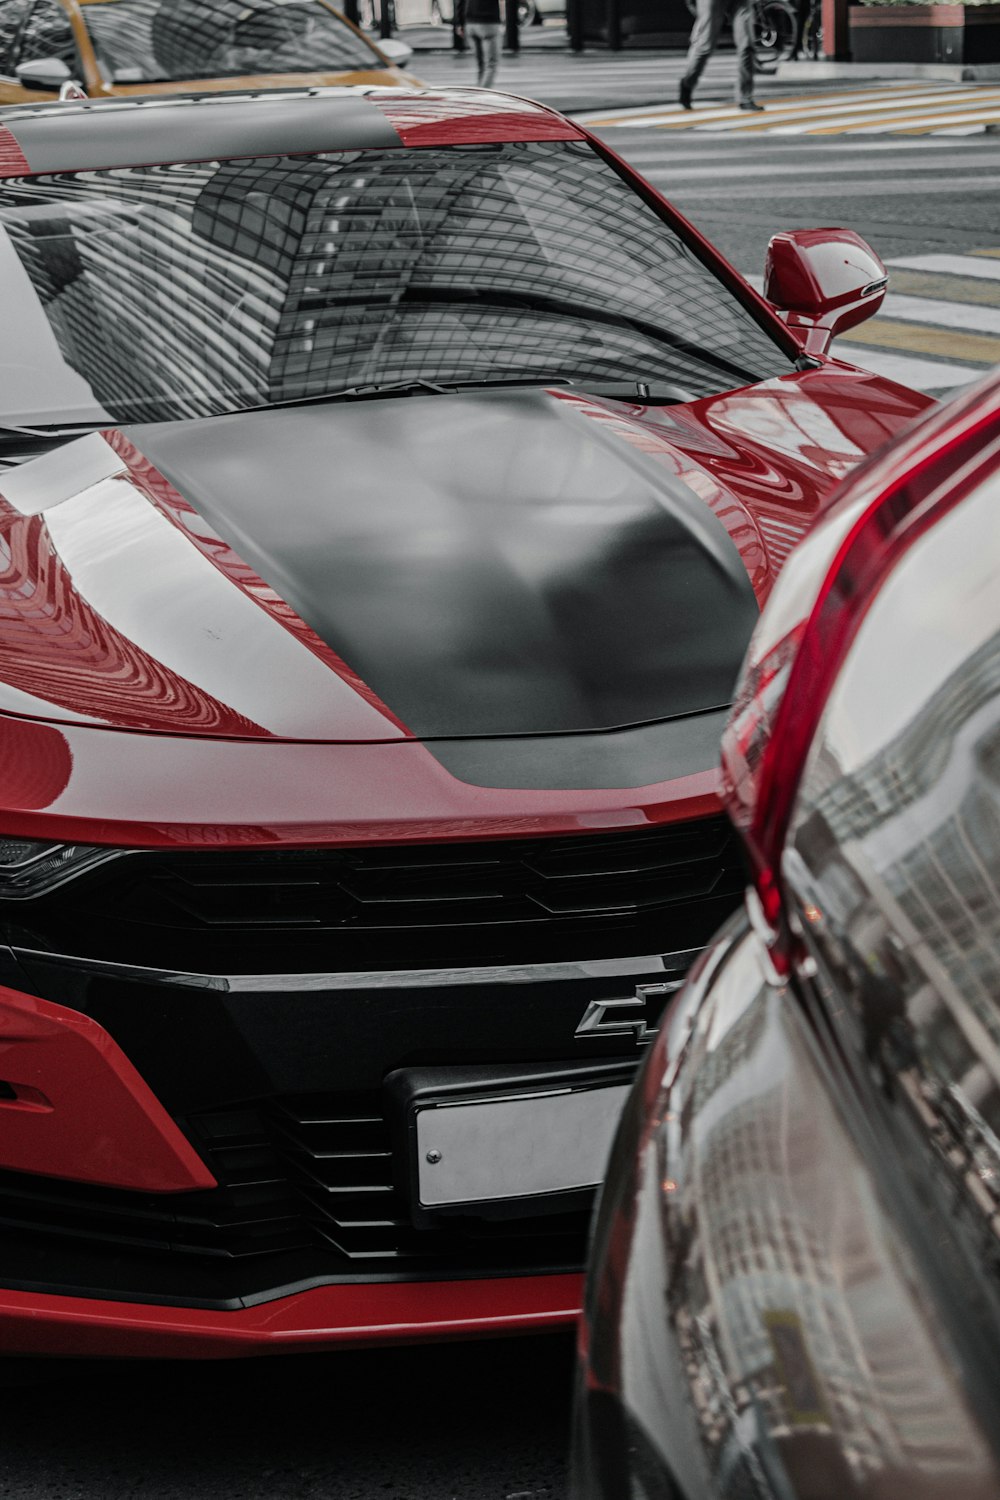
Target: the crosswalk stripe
pixel 945 342
pixel 973 113
pixel 918 374
pixel 977 264
pixel 941 132
pixel 809 117
pixel 666 115
pixel 946 288
pixel 848 187
pixel 889 109
pixel 645 161
pixel 943 314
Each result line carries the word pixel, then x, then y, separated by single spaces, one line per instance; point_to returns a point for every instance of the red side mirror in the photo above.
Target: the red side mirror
pixel 823 281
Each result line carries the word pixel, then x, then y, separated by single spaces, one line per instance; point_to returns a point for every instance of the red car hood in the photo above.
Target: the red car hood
pixel 455 567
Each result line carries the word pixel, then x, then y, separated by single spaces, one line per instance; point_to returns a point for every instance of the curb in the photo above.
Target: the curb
pixel 802 71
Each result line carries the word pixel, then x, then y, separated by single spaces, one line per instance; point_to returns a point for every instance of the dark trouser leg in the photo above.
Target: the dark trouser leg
pixel 743 37
pixel 477 42
pixel 704 35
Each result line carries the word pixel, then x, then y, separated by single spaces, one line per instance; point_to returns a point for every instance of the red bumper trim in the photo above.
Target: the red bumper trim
pixel 328 1317
pixel 75 1106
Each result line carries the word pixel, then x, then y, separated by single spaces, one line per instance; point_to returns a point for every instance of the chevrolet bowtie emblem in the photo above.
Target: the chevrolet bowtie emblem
pixel 605 1018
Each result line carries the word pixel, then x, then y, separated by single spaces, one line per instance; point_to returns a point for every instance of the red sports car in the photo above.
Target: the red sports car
pixel 391 486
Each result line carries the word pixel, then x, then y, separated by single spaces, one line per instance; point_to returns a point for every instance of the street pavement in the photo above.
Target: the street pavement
pixel 880 109
pixel 547 71
pixel 454 1422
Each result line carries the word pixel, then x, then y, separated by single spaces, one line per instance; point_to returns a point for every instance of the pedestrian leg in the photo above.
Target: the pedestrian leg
pixel 743 38
pixel 704 35
pixel 477 42
pixel 491 47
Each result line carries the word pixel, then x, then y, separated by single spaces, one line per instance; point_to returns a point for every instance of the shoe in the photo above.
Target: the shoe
pixel 685 94
pixel 751 104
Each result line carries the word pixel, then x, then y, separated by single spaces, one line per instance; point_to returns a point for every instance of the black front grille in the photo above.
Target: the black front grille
pixel 305 1195
pixel 401 906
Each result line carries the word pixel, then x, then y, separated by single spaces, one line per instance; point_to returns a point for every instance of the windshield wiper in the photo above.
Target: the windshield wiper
pixel 399 388
pixel 9 429
pixel 565 307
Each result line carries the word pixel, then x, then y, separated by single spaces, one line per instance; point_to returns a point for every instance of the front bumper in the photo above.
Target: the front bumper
pixel 300 1228
pixel 324 1318
pixel 284 1085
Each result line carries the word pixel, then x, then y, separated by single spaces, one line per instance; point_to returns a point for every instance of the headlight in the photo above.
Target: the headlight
pixel 31 867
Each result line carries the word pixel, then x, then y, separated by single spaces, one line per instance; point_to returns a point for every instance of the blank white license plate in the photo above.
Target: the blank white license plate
pixel 516 1147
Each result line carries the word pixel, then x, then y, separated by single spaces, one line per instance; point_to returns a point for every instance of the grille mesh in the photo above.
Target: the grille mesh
pixel 405 906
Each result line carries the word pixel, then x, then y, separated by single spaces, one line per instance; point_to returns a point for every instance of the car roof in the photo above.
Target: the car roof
pixel 94 134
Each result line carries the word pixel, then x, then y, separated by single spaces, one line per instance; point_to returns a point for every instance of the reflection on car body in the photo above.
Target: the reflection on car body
pixel 363 665
pixel 122 47
pixel 809 1178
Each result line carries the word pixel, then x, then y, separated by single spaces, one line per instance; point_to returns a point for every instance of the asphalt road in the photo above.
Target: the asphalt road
pixel 490 1422
pixel 449 1422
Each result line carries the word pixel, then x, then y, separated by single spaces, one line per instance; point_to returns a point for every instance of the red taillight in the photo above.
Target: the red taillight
pixel 748 729
pixel 816 610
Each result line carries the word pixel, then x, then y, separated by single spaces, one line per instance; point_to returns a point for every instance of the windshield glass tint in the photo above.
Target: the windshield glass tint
pixel 161 292
pixel 147 41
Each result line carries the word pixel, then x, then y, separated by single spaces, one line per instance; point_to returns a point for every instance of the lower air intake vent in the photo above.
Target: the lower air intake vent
pixel 305 1196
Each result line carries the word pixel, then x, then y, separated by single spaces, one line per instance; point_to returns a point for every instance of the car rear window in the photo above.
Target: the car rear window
pixel 152 293
pixel 160 41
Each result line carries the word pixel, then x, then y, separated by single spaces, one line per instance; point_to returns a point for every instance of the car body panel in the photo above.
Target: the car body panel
pixel 794 1289
pixel 329 1317
pixel 131 1143
pixel 749 469
pixel 381 73
pixel 176 789
pixel 758 1318
pixel 299 886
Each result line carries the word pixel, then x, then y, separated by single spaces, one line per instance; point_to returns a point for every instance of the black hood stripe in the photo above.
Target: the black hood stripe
pixel 486 563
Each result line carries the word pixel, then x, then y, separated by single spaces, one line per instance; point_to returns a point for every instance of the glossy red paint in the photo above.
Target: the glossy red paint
pixel 79 1108
pixel 328 1317
pixel 823 281
pixel 765 459
pixel 161 790
pixel 78 642
pixel 910 490
pixel 35 765
pixel 13 162
pixel 58 648
pixel 468 118
pixel 161 493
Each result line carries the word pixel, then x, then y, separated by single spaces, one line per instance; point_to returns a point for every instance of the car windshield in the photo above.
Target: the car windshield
pixel 152 293
pixel 157 41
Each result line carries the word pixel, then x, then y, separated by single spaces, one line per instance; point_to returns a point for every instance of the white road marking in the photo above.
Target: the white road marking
pixel 952 265
pixel 815 115
pixel 971 318
pixel 741 170
pixel 865 188
pixel 918 374
pixel 982 115
pixel 731 112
